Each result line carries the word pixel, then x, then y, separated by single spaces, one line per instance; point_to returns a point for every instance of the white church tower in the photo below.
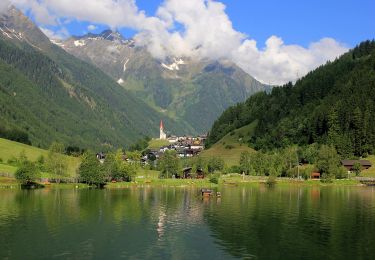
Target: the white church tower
pixel 163 135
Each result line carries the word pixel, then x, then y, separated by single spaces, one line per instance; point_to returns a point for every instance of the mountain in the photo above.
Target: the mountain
pixel 52 95
pixel 333 104
pixel 191 91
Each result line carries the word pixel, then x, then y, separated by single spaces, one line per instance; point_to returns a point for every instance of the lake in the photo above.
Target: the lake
pixel 175 223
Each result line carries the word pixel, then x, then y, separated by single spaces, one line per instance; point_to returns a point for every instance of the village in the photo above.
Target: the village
pixel 184 146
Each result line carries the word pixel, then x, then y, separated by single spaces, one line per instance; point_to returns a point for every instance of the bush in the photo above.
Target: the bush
pixel 234 169
pixel 1 160
pixel 341 172
pixel 229 147
pixel 357 168
pixel 327 178
pixel 271 181
pixel 12 161
pixel 27 173
pixel 214 178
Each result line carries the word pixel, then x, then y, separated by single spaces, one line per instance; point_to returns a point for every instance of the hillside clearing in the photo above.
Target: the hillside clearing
pixel 230 147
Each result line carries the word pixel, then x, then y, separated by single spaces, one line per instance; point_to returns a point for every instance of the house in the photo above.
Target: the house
pixel 315 175
pixel 348 164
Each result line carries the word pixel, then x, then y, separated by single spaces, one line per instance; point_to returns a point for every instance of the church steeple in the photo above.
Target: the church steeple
pixel 163 135
pixel 161 124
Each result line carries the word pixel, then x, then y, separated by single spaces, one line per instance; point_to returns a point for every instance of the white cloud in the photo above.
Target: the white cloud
pixel 4 6
pixel 55 35
pixel 194 28
pixel 91 27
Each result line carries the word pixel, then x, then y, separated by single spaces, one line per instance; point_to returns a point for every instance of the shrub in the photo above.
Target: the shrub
pixel 327 178
pixel 271 181
pixel 234 169
pixel 214 178
pixel 229 147
pixel 12 161
pixel 357 168
pixel 27 172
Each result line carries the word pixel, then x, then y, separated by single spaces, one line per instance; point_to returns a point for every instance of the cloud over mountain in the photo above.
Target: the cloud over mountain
pixel 194 28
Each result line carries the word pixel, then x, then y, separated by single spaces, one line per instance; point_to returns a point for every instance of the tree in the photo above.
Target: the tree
pixel 168 164
pixel 246 162
pixel 27 173
pixel 199 163
pixel 215 164
pixel 117 168
pixel 56 163
pixel 327 160
pixel 357 168
pixel 91 171
pixel 357 130
pixel 333 128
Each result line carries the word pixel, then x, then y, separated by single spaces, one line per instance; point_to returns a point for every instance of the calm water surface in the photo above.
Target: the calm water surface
pixel 174 223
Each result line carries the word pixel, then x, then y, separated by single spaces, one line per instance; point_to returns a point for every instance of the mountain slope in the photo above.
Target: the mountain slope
pixel 333 104
pixel 191 91
pixel 55 96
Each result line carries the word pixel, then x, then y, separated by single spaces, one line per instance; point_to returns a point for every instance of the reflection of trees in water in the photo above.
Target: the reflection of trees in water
pixel 91 221
pixel 295 222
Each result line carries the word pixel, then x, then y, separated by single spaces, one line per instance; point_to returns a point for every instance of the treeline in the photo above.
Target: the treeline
pixel 115 167
pixel 295 162
pixel 14 134
pixel 332 105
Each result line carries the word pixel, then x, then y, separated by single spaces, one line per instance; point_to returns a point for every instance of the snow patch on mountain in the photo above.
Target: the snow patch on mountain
pixel 11 33
pixel 120 81
pixel 56 42
pixel 5 33
pixel 175 65
pixel 79 43
pixel 126 62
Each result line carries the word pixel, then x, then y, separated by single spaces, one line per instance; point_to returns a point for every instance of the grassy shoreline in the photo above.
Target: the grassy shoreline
pixel 226 181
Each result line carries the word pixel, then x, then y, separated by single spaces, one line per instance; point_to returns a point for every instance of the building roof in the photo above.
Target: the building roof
pixel 352 162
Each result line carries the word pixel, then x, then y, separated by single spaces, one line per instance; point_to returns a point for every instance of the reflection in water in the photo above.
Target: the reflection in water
pixel 164 223
pixel 161 223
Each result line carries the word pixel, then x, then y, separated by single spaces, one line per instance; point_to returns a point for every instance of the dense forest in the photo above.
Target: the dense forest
pixel 333 105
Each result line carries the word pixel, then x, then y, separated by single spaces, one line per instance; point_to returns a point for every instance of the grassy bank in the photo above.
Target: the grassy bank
pixel 231 180
pixel 10 150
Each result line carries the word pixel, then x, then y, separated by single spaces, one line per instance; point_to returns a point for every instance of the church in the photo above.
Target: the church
pixel 163 135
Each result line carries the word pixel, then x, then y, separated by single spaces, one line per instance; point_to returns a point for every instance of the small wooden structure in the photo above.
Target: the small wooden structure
pixel 206 192
pixel 315 175
pixel 348 164
pixel 200 174
pixel 186 173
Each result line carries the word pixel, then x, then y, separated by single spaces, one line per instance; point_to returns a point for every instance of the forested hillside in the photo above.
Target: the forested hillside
pixel 335 104
pixel 49 95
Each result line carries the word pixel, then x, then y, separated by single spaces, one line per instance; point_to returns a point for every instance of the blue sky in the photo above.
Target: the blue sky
pixel 272 40
pixel 295 21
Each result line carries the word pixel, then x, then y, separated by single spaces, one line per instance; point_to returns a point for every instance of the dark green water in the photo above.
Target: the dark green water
pixel 173 223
